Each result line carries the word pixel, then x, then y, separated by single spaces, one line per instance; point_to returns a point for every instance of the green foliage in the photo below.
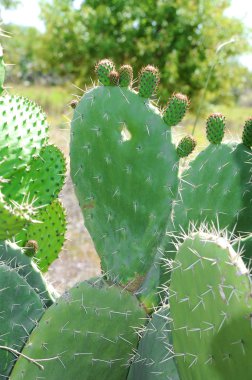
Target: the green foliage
pixel 9 3
pixel 180 37
pixel 21 50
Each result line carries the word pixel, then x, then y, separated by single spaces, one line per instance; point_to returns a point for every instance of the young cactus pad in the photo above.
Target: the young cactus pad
pixel 89 333
pixel 21 308
pixel 124 168
pixel 211 308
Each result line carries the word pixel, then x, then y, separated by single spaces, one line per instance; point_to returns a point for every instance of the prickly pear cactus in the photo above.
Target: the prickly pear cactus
pixel 13 256
pixel 31 176
pixel 217 186
pixel 124 168
pixel 20 310
pixel 154 358
pixel 211 308
pixel 89 333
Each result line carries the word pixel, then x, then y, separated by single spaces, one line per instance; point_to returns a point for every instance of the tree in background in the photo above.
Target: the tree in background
pixel 178 36
pixel 21 51
pixel 9 3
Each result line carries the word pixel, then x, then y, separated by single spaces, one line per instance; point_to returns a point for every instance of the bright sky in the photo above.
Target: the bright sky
pixel 28 14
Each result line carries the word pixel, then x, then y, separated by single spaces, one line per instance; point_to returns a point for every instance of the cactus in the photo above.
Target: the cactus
pixel 124 168
pixel 216 188
pixel 49 234
pixel 20 310
pixel 211 308
pixel 154 359
pixel 88 333
pixel 13 256
pixel 31 176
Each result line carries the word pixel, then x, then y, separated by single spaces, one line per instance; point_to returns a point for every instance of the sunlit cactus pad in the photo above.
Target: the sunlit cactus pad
pixel 49 233
pixel 89 333
pixel 13 217
pixel 40 181
pixel 124 168
pixel 23 131
pixel 20 310
pixel 211 308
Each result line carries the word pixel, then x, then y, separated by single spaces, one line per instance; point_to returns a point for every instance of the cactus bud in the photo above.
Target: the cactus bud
pixel 186 146
pixel 103 69
pixel 126 76
pixel 215 128
pixel 114 78
pixel 73 103
pixel 31 248
pixel 247 133
pixel 175 109
pixel 148 81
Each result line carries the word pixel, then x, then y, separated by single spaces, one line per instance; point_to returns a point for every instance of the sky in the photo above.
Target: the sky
pixel 28 14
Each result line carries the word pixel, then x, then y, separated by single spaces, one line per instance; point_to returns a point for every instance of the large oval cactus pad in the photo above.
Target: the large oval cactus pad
pixel 96 344
pixel 124 168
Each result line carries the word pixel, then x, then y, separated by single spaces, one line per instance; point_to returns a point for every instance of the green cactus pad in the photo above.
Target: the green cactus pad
pixel 13 256
pixel 186 146
pixel 215 128
pixel 42 179
pixel 211 308
pixel 247 133
pixel 49 234
pixel 103 69
pixel 23 130
pixel 124 168
pixel 153 359
pixel 20 310
pixel 218 182
pixel 89 332
pixel 175 109
pixel 148 81
pixel 126 76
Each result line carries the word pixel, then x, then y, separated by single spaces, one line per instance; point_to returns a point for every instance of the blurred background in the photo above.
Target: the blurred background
pixel 202 48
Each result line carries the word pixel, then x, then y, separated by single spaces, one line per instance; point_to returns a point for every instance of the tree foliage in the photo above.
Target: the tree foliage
pixel 178 36
pixel 9 3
